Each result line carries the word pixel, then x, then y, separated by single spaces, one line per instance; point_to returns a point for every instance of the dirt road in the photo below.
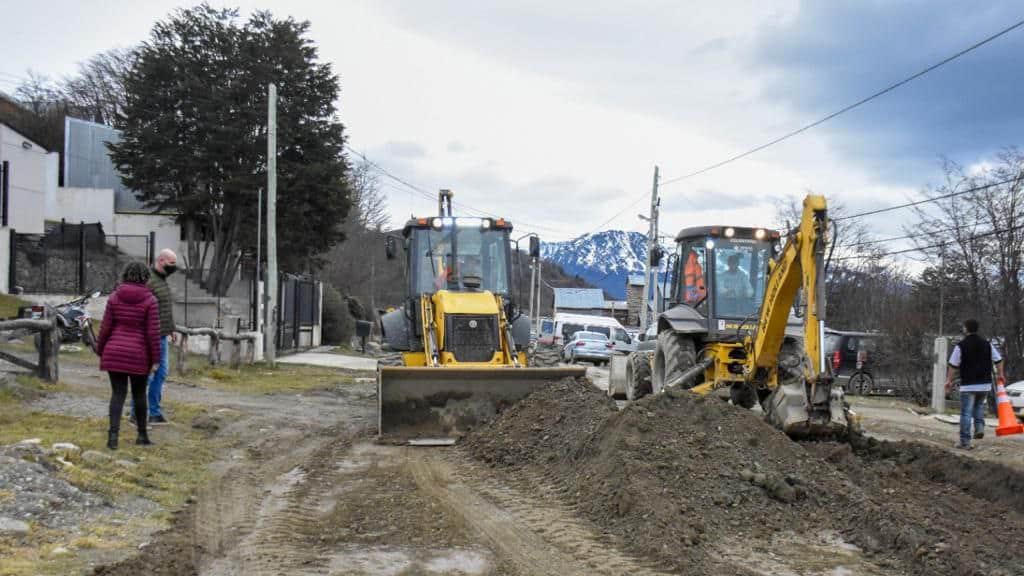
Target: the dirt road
pixel 305 489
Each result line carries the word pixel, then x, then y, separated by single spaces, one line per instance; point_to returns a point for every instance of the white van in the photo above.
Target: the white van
pixel 560 330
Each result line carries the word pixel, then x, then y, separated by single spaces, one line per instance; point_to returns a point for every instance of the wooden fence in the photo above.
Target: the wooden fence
pixel 216 336
pixel 46 367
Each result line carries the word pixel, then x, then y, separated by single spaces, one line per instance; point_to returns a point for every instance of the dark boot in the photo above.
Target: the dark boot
pixel 143 439
pixel 112 440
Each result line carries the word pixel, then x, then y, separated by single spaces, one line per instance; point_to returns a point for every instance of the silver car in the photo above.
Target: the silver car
pixel 592 346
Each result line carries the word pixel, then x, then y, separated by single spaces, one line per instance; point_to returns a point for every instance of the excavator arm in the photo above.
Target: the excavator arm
pixel 800 397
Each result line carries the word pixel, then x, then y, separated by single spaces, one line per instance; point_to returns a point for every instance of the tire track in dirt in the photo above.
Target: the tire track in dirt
pixel 532 533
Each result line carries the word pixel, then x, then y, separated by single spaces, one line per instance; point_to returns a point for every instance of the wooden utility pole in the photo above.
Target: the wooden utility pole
pixel 652 239
pixel 271 280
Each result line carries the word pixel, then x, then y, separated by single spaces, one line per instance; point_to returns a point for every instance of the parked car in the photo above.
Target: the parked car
pixel 592 346
pixel 564 325
pixel 1016 393
pixel 852 355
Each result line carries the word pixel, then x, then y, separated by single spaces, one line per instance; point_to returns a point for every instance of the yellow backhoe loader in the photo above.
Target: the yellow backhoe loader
pixel 461 340
pixel 729 328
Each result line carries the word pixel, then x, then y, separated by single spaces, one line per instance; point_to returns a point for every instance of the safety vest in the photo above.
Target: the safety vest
pixel 693 279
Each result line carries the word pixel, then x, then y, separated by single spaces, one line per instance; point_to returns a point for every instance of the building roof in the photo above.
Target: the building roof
pixel 579 298
pixel 637 280
pixel 616 304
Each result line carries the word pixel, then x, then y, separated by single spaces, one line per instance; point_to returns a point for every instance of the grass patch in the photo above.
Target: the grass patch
pixel 166 473
pixel 9 305
pixel 260 378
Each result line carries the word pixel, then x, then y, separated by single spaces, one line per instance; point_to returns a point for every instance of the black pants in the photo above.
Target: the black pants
pixel 119 386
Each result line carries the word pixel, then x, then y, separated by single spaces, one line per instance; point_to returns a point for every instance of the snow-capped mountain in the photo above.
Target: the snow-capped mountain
pixel 604 259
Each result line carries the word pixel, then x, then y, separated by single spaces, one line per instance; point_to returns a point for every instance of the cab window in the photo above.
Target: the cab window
pixel 693 287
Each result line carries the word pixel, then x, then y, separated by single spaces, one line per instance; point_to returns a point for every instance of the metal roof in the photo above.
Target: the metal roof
pixel 579 298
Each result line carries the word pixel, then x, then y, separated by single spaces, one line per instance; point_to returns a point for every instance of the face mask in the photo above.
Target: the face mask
pixel 169 269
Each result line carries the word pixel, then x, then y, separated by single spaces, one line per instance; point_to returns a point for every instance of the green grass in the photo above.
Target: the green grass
pixel 166 473
pixel 260 378
pixel 9 305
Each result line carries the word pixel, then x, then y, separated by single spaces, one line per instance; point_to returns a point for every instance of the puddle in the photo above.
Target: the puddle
pixel 384 561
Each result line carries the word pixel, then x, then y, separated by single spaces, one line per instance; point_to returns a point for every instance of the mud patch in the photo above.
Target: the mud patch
pixel 385 561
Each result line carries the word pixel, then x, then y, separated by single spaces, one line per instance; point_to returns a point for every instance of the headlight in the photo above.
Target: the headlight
pixel 759 234
pixel 730 232
pixel 436 223
pixel 710 244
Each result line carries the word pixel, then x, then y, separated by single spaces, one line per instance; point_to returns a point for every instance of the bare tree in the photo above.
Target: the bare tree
pixel 975 225
pixel 97 90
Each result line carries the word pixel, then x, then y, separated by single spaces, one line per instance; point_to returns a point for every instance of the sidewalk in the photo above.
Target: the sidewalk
pixel 321 357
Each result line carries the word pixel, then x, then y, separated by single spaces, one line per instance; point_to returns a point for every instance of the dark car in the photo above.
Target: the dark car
pixel 852 355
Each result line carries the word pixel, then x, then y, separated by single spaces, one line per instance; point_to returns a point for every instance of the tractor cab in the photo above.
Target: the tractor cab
pixel 458 255
pixel 718 279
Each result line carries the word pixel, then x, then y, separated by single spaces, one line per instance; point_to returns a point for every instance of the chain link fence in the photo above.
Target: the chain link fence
pixel 73 258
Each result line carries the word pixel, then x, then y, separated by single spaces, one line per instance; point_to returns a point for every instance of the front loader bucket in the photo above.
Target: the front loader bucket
pixel 418 402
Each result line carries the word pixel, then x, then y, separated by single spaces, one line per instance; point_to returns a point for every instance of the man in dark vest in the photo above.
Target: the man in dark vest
pixel 974 357
pixel 166 264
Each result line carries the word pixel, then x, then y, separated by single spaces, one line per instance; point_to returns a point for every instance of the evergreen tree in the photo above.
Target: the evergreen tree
pixel 194 137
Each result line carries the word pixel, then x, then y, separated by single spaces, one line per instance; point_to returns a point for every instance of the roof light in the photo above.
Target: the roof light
pixel 485 223
pixel 468 222
pixel 448 221
pixel 436 223
pixel 730 232
pixel 759 234
pixel 710 244
pixel 421 222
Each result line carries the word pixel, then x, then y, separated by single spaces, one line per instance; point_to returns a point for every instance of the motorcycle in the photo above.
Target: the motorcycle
pixel 74 323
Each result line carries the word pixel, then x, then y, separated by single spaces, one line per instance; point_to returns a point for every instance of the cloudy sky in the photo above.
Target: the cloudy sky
pixel 555 113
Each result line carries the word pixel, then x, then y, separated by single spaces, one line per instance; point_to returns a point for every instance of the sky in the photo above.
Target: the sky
pixel 554 114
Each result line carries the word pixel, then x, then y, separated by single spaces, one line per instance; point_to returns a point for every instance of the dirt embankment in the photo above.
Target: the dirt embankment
pixel 684 481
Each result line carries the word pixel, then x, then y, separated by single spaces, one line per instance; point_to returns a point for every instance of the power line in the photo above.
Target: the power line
pixel 427 195
pixel 926 200
pixel 849 107
pixel 932 246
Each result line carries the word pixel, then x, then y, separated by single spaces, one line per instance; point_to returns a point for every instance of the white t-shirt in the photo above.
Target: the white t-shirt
pixel 954 361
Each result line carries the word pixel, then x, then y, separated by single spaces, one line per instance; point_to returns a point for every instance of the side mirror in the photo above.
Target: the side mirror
pixel 534 247
pixel 390 247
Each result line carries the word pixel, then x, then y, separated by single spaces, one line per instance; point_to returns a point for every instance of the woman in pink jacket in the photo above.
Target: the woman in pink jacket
pixel 129 346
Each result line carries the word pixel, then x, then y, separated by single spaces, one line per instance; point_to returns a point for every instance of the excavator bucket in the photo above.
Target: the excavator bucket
pixel 423 402
pixel 804 411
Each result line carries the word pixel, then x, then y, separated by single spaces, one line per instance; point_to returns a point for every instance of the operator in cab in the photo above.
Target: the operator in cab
pixel 735 282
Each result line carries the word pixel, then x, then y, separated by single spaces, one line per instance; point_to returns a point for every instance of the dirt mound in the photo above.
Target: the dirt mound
pixel 676 477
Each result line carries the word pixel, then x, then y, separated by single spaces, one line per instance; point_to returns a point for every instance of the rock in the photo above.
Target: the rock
pixel 373 348
pixel 66 447
pixel 12 527
pixel 125 464
pixel 59 551
pixel 64 463
pixel 94 457
pixel 30 442
pixel 206 423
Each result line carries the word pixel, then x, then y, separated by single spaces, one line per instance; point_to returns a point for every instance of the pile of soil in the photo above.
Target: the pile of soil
pixel 675 475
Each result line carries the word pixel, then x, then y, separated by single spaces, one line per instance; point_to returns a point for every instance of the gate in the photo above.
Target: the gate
pixel 298 313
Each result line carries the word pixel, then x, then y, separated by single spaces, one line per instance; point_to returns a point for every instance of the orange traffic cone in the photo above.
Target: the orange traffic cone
pixel 1008 423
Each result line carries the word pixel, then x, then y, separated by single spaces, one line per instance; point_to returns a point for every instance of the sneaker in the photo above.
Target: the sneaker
pixel 962 446
pixel 159 419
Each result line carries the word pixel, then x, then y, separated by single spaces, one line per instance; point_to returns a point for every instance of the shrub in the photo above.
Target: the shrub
pixel 338 325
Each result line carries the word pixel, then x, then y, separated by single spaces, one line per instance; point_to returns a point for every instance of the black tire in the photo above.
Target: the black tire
pixel 638 376
pixel 861 384
pixel 89 338
pixel 674 355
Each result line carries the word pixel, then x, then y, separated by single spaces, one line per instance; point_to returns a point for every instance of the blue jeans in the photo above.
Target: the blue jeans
pixel 972 407
pixel 156 381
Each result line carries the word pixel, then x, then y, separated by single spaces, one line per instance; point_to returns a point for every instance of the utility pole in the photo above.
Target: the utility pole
pixel 271 332
pixel 540 270
pixel 533 285
pixel 942 289
pixel 652 239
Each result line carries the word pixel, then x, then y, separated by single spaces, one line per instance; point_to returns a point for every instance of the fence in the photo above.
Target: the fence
pixel 198 307
pixel 298 313
pixel 73 258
